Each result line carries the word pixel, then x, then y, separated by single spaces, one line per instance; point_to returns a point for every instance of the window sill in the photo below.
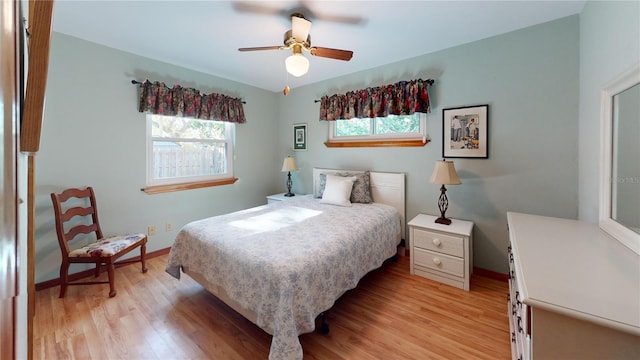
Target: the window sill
pixel 159 189
pixel 378 143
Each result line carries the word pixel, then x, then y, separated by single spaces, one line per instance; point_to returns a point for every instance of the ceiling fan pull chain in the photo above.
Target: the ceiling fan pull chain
pixel 286 89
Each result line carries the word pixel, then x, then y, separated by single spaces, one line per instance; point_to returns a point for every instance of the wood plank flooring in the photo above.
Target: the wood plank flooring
pixel 390 315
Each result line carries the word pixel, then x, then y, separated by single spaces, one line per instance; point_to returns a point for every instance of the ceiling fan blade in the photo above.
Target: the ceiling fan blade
pixel 300 27
pixel 331 53
pixel 260 48
pixel 342 19
pixel 253 7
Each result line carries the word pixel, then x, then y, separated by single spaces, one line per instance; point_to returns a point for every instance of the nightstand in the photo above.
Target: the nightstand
pixel 441 252
pixel 279 197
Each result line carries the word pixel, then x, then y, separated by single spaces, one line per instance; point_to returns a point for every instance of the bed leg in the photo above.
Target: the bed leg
pixel 324 327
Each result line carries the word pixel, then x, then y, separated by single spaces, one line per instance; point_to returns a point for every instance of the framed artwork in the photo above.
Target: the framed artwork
pixel 300 137
pixel 465 132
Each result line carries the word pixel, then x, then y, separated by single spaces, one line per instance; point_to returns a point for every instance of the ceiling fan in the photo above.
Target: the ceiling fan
pixel 298 39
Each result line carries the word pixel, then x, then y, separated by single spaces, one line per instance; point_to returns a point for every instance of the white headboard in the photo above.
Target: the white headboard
pixel 386 188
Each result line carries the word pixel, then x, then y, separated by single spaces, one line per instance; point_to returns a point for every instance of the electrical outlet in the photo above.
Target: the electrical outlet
pixel 151 230
pixel 168 227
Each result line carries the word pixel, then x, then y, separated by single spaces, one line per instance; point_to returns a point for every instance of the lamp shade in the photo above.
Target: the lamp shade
pixel 445 173
pixel 297 65
pixel 289 164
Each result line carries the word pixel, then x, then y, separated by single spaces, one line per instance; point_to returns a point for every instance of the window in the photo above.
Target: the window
pixel 185 150
pixel 390 128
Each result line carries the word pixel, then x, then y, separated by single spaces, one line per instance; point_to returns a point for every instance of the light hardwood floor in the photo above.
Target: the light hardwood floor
pixel 390 315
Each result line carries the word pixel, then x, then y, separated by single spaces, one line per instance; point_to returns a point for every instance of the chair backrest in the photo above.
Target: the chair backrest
pixel 85 206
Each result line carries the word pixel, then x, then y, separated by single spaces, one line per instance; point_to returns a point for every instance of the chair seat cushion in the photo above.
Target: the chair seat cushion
pixel 108 246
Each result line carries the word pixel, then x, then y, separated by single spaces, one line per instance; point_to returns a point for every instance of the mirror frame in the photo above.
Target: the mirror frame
pixel 620 232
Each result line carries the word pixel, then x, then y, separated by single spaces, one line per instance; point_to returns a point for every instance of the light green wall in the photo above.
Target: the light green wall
pixel 529 78
pixel 94 135
pixel 609 45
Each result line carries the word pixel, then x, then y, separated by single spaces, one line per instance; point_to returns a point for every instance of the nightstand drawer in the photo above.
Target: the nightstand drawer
pixel 438 242
pixel 438 261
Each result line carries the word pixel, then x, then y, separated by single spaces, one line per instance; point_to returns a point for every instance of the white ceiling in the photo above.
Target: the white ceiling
pixel 205 35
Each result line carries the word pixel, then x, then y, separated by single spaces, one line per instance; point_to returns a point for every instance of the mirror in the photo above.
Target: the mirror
pixel 619 161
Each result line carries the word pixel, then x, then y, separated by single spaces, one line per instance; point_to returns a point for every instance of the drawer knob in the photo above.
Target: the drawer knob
pixel 436 261
pixel 437 242
pixel 520 329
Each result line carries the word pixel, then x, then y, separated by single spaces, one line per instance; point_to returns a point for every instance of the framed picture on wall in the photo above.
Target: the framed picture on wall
pixel 465 132
pixel 300 137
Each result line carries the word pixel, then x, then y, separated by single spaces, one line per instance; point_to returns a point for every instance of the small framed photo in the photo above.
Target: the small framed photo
pixel 465 132
pixel 300 137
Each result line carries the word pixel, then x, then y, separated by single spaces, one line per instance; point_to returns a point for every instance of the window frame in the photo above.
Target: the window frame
pixel 373 140
pixel 188 182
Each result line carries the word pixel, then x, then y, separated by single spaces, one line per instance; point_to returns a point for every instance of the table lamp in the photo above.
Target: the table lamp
pixel 444 173
pixel 289 165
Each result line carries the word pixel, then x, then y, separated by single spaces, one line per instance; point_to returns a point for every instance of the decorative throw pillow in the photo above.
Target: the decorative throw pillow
pixel 338 190
pixel 361 192
pixel 322 183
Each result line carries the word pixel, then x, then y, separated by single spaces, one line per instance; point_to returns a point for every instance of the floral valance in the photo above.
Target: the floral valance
pixel 403 98
pixel 157 98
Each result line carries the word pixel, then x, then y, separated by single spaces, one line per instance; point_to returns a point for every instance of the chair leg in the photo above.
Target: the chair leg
pixel 64 277
pixel 112 285
pixel 143 252
pixel 97 271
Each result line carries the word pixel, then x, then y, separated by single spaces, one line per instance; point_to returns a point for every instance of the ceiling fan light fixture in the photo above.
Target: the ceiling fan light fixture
pixel 298 39
pixel 297 65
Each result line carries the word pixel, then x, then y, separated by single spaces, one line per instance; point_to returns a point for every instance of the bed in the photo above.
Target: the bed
pixel 281 265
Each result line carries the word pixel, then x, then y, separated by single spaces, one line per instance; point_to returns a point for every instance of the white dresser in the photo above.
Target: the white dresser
pixel 574 291
pixel 441 252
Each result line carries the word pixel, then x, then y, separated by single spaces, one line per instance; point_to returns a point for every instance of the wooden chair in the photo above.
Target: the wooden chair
pixel 81 217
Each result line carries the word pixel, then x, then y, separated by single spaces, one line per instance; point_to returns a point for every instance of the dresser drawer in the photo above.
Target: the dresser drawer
pixel 438 261
pixel 441 243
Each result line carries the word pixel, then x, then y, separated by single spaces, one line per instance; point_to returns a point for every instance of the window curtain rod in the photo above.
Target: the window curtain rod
pixel 136 82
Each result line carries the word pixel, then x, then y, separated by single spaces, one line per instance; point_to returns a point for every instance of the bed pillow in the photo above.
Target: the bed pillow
pixel 361 192
pixel 337 190
pixel 322 183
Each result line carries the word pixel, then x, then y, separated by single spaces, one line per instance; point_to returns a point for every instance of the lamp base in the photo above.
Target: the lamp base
pixel 443 221
pixel 443 204
pixel 289 193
